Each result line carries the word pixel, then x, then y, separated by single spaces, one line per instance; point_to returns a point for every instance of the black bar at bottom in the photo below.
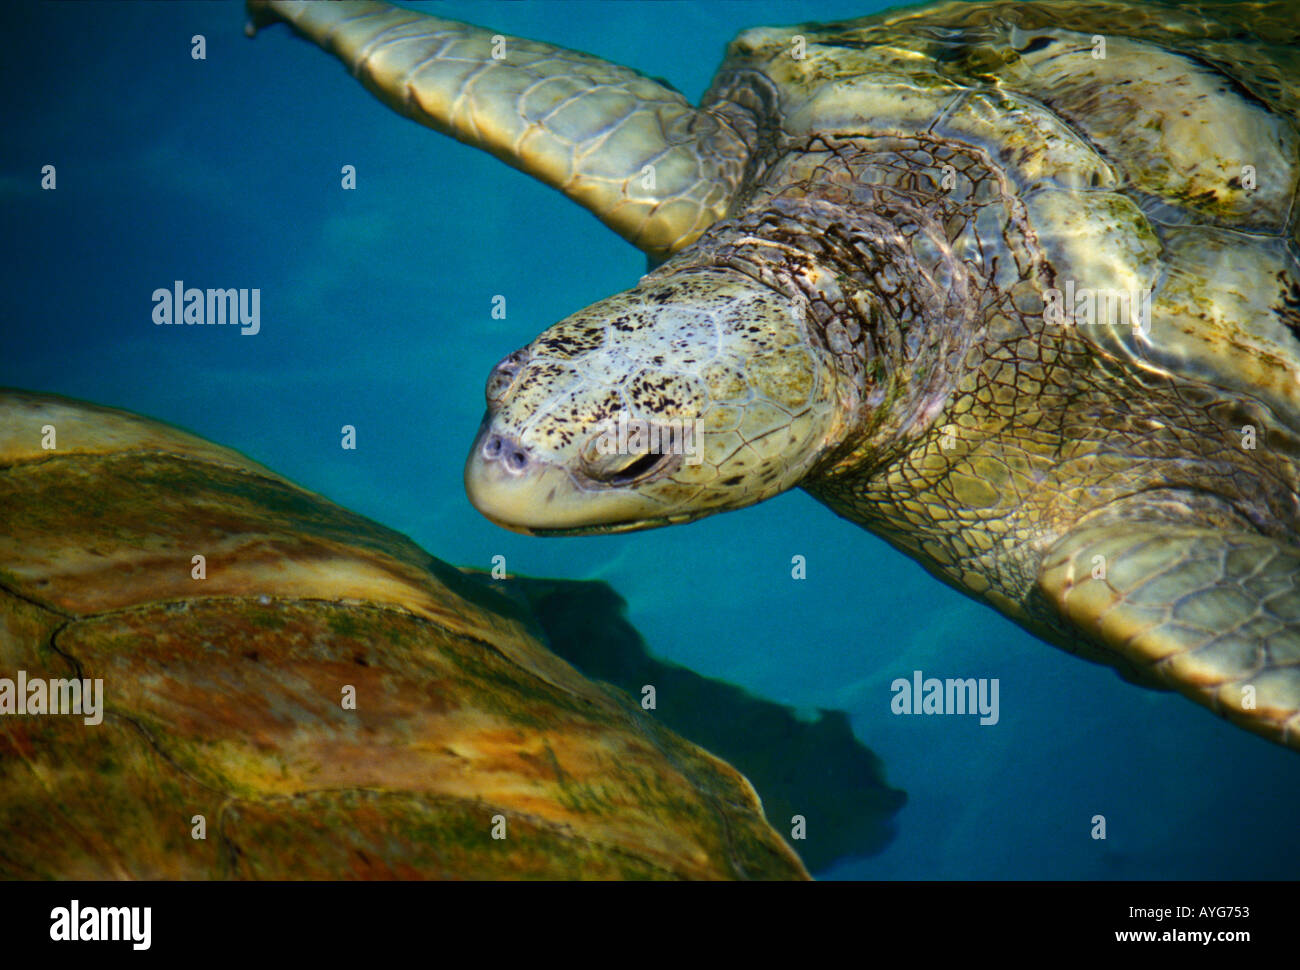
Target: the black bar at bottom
pixel 328 920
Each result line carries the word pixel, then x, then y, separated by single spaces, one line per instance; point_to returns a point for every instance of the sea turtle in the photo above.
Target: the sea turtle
pixel 316 697
pixel 1014 285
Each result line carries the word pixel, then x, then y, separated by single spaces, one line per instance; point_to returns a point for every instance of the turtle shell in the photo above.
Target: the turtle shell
pixel 1152 150
pixel 471 751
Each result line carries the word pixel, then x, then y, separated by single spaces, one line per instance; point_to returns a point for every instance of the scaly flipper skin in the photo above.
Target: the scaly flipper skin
pixel 582 125
pixel 1207 609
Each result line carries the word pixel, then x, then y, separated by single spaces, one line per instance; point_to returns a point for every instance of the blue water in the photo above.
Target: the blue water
pixel 376 313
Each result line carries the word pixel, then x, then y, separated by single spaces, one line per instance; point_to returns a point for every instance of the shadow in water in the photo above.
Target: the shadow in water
pixel 816 769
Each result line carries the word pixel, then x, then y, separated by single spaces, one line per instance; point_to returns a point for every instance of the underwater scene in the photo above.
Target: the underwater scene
pixel 386 269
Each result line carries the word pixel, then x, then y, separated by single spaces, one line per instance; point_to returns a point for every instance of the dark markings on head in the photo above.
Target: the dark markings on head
pixel 1289 310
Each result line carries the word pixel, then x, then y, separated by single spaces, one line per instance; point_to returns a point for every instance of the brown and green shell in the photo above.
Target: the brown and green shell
pixel 223 695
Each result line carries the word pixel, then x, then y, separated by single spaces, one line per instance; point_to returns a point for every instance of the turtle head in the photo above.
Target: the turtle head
pixel 698 391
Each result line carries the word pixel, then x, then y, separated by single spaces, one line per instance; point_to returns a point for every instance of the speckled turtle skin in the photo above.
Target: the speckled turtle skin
pixel 894 253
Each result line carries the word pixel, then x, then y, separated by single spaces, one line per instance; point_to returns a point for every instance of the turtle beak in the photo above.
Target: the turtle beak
pixel 506 483
pixel 522 492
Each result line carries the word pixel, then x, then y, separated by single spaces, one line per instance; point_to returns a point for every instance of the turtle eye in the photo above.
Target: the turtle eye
pixel 503 376
pixel 630 469
pixel 602 463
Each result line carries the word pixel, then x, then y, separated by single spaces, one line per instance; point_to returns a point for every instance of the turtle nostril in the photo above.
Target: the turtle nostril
pixel 506 451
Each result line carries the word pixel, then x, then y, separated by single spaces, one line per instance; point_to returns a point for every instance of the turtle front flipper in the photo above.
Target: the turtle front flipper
pixel 630 149
pixel 1189 594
